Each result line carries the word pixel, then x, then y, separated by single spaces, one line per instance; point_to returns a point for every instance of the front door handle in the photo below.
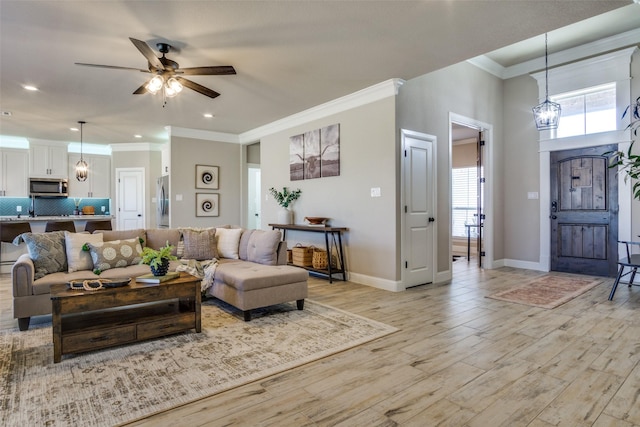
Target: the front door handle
pixel 431 219
pixel 553 217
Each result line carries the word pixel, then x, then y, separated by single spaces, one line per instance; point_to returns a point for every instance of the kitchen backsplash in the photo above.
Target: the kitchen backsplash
pixel 51 206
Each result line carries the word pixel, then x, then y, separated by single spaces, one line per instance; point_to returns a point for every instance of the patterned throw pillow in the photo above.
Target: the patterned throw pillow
pixel 118 253
pixel 199 245
pixel 47 252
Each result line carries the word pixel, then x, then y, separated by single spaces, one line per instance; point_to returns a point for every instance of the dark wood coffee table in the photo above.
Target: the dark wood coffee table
pixel 91 320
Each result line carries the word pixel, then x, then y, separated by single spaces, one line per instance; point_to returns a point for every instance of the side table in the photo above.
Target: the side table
pixel 332 232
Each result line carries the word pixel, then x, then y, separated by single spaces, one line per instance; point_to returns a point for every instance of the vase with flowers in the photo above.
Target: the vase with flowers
pixel 284 198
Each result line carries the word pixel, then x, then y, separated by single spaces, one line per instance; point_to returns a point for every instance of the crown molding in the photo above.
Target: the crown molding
pixel 618 41
pixel 362 97
pixel 136 146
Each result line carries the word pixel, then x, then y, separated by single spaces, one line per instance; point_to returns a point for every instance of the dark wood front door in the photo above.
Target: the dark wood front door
pixel 583 212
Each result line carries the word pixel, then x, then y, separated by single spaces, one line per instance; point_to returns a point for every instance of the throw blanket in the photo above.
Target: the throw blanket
pixel 204 270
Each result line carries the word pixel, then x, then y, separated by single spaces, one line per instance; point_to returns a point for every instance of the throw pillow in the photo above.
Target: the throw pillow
pixel 244 243
pixel 199 245
pixel 118 253
pixel 77 258
pixel 228 242
pixel 47 252
pixel 263 247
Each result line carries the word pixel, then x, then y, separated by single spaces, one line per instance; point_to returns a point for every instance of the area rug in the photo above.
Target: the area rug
pixel 548 291
pixel 122 384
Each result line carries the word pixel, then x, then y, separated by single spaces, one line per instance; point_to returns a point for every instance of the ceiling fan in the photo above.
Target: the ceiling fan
pixel 168 74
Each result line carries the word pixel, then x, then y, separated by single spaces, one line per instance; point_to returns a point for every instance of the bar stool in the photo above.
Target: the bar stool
pixel 98 225
pixel 9 230
pixel 60 226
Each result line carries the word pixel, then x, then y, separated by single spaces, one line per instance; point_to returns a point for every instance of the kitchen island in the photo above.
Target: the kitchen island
pixel 12 226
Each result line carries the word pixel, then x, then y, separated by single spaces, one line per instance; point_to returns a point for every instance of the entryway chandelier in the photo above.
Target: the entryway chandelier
pixel 547 114
pixel 82 169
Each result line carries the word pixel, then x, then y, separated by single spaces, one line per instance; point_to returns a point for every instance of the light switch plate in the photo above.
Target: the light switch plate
pixel 532 195
pixel 178 197
pixel 375 192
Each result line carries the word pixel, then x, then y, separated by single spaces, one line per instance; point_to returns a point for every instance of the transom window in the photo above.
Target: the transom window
pixel 587 111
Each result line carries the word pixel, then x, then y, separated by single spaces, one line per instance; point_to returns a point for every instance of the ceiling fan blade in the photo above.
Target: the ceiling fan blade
pixel 208 71
pixel 148 53
pixel 198 88
pixel 141 90
pixel 114 67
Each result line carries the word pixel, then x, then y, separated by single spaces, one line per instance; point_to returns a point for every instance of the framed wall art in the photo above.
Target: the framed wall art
pixel 207 177
pixel 207 204
pixel 315 154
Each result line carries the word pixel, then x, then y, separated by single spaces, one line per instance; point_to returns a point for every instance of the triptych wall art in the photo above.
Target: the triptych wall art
pixel 207 177
pixel 315 154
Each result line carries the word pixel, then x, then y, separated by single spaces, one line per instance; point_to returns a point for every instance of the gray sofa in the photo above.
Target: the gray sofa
pixel 251 272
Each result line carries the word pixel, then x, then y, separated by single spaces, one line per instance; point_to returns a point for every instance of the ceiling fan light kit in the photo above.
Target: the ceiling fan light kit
pixel 168 74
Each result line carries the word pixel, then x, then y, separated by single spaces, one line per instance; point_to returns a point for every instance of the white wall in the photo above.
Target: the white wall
pixel 186 153
pixel 367 159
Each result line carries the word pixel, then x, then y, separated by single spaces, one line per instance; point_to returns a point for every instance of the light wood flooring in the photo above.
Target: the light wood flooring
pixel 459 359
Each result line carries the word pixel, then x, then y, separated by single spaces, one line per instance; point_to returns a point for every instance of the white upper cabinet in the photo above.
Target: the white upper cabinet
pixel 14 176
pixel 47 160
pixel 98 182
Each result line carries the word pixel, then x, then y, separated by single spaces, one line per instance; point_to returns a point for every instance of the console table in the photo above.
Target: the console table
pixel 332 232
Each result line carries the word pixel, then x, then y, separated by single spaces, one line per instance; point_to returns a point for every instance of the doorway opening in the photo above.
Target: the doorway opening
pixel 471 231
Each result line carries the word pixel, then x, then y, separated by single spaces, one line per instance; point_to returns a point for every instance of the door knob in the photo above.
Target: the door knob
pixel 139 214
pixel 553 217
pixel 431 219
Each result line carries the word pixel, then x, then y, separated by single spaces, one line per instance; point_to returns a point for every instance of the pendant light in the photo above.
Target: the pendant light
pixel 547 114
pixel 82 169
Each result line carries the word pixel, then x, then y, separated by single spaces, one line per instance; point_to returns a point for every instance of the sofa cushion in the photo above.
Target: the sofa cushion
pixel 111 235
pixel 77 259
pixel 158 237
pixel 263 246
pixel 47 252
pixel 247 276
pixel 228 242
pixel 244 243
pixel 119 253
pixel 199 245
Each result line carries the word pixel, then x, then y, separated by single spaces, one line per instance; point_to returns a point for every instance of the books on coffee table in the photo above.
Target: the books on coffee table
pixel 150 278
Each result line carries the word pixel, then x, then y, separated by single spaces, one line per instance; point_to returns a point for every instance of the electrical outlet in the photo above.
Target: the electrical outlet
pixel 178 197
pixel 18 208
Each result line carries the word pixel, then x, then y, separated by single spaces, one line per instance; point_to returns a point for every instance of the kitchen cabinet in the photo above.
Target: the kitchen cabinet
pixel 47 160
pixel 98 182
pixel 14 164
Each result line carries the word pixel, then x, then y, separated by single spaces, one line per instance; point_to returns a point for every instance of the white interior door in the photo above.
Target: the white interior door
pixel 419 204
pixel 253 198
pixel 130 198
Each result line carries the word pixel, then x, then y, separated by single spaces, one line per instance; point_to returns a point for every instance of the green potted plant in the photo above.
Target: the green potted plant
pixel 628 162
pixel 158 260
pixel 284 199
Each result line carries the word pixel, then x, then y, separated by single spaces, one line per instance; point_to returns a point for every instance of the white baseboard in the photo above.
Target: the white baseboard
pixel 376 282
pixel 527 265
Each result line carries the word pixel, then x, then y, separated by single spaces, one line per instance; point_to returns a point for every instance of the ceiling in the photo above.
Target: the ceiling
pixel 289 55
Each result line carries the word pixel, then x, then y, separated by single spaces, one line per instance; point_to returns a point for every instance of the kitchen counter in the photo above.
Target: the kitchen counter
pixel 26 218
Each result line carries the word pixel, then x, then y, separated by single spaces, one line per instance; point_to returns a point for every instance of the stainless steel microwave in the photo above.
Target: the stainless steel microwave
pixel 48 187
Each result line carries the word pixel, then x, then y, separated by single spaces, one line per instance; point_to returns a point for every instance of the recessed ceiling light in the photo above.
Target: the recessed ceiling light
pixel 208 115
pixel 29 87
pixel 137 136
pixel 74 129
pixel 6 113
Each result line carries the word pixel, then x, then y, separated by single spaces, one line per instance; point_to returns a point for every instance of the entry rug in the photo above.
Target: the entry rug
pixel 122 384
pixel 548 291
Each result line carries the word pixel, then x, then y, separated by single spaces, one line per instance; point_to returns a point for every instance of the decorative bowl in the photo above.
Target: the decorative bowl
pixel 315 220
